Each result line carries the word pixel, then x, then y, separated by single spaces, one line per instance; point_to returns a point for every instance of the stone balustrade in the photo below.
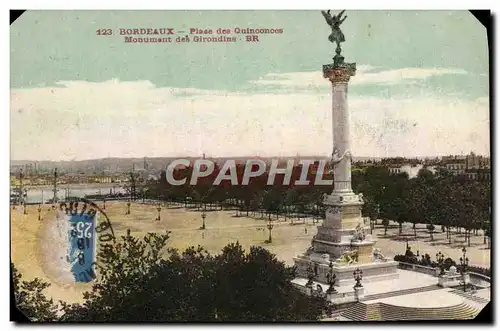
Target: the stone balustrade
pixel 341 298
pixel 420 268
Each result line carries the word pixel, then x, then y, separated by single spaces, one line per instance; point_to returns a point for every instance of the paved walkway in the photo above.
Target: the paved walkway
pixel 400 292
pixel 429 299
pixel 407 280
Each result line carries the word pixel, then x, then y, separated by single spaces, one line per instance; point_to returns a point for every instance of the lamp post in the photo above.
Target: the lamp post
pixel 310 277
pixel 203 216
pixel 39 211
pixel 54 190
pixel 270 227
pixel 332 279
pixel 464 262
pixel 358 276
pixel 159 210
pixel 21 187
pixel 440 260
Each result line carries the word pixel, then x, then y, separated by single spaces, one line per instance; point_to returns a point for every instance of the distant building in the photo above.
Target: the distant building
pixel 473 161
pixel 479 174
pixel 456 168
pixel 472 166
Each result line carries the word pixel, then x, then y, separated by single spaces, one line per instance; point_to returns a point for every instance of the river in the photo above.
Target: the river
pixel 35 193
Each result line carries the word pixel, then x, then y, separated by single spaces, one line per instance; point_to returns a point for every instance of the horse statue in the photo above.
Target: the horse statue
pixel 348 257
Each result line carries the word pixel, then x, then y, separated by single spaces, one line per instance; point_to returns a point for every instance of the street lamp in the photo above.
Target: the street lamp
pixel 39 211
pixel 203 216
pixel 464 262
pixel 332 279
pixel 440 260
pixel 310 276
pixel 21 187
pixel 159 210
pixel 270 227
pixel 358 276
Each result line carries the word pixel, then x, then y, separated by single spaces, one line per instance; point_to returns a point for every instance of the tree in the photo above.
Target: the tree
pixel 396 198
pixel 385 223
pixel 30 299
pixel 370 210
pixel 487 233
pixel 290 199
pixel 431 229
pixel 486 227
pixel 138 284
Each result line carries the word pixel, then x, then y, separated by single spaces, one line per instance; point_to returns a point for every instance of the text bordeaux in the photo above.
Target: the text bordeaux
pixel 148 31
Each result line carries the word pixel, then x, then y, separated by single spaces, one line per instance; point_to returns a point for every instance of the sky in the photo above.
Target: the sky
pixel 421 87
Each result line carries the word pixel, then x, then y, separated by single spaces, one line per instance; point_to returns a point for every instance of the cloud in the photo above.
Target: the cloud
pixel 86 120
pixel 364 75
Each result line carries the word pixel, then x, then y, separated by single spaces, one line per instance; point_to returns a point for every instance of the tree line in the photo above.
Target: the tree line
pixel 435 199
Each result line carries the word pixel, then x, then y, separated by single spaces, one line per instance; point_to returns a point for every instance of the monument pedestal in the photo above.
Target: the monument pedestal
pixel 342 245
pixel 372 271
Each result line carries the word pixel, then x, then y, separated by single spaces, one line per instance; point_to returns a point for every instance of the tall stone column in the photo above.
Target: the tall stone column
pixel 343 220
pixel 339 76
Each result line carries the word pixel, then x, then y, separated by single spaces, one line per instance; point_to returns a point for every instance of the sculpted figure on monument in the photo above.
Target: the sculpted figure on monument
pixel 334 209
pixel 334 21
pixel 348 257
pixel 360 234
pixel 377 254
pixel 336 158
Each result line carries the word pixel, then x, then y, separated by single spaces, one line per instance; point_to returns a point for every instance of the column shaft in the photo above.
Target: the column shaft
pixel 341 137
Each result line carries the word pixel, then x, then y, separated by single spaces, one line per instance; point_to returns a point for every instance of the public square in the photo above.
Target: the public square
pixel 222 227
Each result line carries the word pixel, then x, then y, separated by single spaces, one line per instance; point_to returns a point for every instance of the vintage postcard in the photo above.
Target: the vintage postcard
pixel 259 166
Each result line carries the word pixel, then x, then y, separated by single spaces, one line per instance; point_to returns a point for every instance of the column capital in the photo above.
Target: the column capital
pixel 339 73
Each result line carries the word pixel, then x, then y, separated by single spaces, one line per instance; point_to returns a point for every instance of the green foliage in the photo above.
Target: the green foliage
pixel 487 232
pixel 447 263
pixel 30 299
pixel 143 283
